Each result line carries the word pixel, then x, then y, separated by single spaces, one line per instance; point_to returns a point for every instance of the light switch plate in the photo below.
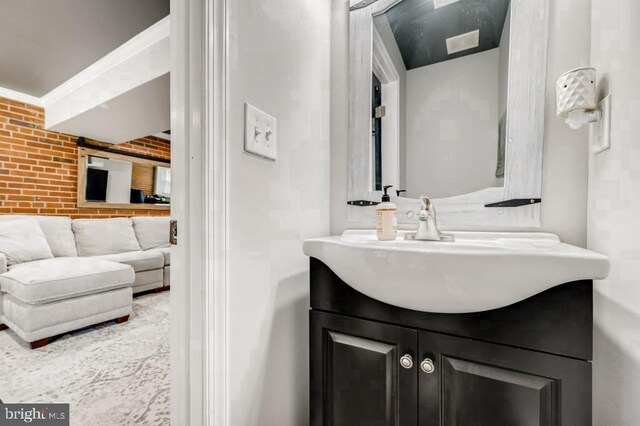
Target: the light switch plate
pixel 260 132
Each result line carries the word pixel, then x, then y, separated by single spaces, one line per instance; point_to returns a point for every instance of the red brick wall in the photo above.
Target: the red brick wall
pixel 143 177
pixel 38 168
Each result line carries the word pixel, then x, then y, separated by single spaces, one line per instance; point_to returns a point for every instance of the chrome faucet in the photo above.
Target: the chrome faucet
pixel 427 227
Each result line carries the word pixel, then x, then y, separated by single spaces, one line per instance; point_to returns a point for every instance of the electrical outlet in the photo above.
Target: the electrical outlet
pixel 601 130
pixel 260 132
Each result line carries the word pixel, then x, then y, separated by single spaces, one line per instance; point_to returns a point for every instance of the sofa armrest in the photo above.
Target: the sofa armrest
pixel 3 263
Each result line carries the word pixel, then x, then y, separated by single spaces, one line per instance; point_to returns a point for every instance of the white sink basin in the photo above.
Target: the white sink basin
pixel 479 271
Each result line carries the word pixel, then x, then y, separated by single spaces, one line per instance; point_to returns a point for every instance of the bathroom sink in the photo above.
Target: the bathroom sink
pixel 478 271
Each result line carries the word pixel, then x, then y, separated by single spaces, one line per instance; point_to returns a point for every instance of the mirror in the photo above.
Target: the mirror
pixel 453 90
pixel 113 180
pixel 447 99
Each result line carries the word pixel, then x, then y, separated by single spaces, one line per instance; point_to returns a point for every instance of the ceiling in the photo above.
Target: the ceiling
pixel 46 42
pixel 138 112
pixel 421 30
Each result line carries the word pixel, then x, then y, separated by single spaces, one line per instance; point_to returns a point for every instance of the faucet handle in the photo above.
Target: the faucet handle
pixel 425 202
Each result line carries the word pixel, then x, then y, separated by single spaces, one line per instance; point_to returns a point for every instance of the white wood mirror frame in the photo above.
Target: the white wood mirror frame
pixel 524 129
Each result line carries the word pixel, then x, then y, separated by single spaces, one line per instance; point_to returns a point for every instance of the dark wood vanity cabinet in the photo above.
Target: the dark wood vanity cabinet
pixel 356 364
pixel 478 383
pixel 375 364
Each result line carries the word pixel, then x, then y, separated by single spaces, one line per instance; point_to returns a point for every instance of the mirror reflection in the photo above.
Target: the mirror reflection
pixel 439 96
pixel 120 181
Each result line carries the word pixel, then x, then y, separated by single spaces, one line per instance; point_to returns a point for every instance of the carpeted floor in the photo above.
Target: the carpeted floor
pixel 112 375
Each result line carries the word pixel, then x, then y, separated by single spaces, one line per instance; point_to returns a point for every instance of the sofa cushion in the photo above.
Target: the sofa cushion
pixel 166 252
pixel 48 280
pixel 152 232
pixel 95 237
pixel 139 260
pixel 22 240
pixel 148 280
pixel 35 322
pixel 57 230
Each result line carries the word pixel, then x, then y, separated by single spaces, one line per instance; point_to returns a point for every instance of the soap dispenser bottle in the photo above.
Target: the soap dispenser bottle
pixel 386 218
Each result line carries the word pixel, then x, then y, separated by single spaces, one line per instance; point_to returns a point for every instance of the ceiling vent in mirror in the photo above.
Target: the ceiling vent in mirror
pixel 437 4
pixel 463 42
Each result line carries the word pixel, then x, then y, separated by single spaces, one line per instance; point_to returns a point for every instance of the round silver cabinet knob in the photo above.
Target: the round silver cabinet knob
pixel 427 366
pixel 406 361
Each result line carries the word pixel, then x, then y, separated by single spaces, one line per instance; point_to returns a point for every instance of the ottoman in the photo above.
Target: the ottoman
pixel 45 298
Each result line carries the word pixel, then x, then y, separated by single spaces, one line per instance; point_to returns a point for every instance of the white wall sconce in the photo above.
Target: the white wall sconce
pixel 576 103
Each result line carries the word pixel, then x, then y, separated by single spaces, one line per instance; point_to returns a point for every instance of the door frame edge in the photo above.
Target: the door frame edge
pixel 199 386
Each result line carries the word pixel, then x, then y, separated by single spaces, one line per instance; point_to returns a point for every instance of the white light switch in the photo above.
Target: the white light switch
pixel 260 132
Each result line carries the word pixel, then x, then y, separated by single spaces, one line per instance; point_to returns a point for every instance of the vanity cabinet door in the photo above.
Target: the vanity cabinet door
pixel 475 383
pixel 362 372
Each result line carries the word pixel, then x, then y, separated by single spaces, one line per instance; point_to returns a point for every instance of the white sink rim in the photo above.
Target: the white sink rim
pixel 428 276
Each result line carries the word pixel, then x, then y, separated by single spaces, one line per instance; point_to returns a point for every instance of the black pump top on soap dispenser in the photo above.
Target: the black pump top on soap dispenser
pixel 385 196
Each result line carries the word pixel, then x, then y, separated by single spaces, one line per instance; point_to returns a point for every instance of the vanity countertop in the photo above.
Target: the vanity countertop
pixel 478 271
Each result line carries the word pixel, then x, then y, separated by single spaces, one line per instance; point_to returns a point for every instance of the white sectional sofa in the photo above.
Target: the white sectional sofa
pixel 59 275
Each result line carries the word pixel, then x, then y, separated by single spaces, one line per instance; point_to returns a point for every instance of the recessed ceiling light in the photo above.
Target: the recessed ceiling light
pixel 463 42
pixel 437 4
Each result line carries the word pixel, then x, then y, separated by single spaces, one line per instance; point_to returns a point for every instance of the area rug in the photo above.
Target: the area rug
pixel 112 375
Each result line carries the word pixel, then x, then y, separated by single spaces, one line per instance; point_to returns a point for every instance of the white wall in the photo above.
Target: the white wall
pixel 119 182
pixel 614 221
pixel 452 126
pixel 565 161
pixel 339 113
pixel 279 61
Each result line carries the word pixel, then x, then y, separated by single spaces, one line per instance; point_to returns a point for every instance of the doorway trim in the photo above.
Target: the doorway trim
pixel 199 265
pixel 385 70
